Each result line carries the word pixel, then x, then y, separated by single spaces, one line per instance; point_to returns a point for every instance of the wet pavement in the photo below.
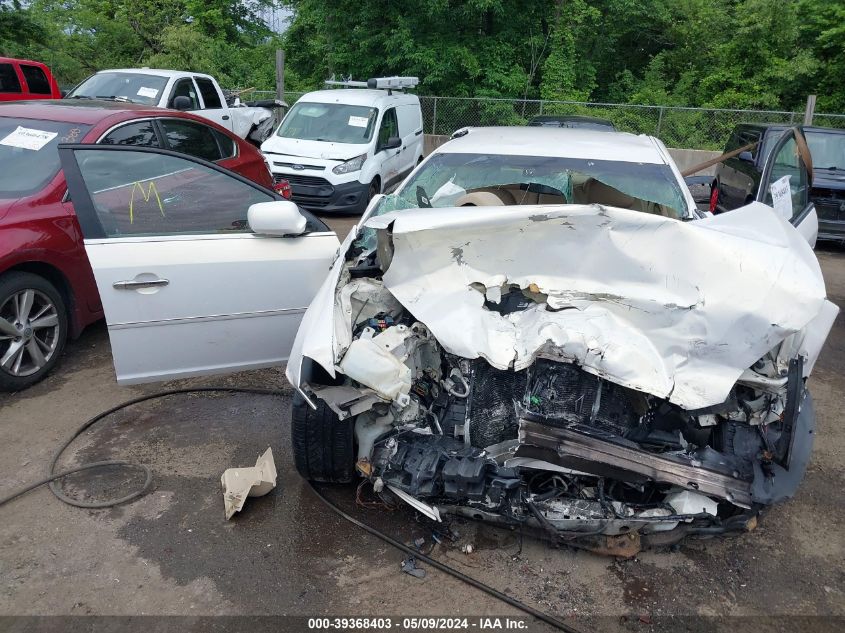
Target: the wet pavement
pixel 172 552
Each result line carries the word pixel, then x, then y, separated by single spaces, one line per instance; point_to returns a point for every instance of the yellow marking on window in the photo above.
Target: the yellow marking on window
pixel 146 195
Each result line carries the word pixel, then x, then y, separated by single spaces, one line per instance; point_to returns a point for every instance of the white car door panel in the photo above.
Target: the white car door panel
pixel 391 158
pixel 790 157
pixel 187 288
pixel 212 103
pixel 222 293
pixel 410 129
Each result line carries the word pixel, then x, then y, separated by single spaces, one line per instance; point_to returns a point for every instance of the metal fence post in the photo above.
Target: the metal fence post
pixel 434 119
pixel 659 121
pixel 541 107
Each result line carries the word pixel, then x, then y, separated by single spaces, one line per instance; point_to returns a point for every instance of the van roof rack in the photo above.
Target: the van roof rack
pixel 378 83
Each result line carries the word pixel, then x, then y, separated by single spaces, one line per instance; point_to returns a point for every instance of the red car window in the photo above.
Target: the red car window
pixel 189 137
pixel 36 80
pixel 9 81
pixel 28 152
pixel 139 133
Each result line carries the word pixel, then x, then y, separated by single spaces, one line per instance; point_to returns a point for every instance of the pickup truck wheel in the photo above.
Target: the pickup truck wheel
pixel 323 445
pixel 33 329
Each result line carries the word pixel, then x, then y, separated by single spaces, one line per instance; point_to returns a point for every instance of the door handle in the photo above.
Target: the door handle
pixel 225 117
pixel 134 283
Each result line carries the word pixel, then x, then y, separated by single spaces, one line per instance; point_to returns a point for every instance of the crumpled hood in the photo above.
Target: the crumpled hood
pixel 675 309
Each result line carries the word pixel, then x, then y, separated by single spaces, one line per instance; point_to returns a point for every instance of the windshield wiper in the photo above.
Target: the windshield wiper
pixel 80 97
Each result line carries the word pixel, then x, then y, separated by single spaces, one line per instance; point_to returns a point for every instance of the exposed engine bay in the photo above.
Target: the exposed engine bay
pixel 557 445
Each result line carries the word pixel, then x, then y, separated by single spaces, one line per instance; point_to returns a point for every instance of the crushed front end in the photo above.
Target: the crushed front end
pixel 563 440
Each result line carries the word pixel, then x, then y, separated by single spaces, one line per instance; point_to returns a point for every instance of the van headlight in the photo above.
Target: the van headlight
pixel 353 164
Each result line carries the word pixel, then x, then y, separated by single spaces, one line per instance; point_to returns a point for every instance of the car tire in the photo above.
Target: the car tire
pixel 323 445
pixel 27 300
pixel 374 190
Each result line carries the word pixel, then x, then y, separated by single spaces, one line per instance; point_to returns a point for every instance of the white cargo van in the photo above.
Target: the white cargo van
pixel 340 147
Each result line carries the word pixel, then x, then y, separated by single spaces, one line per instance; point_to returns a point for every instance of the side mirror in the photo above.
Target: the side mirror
pixel 181 103
pixel 392 143
pixel 278 218
pixel 746 156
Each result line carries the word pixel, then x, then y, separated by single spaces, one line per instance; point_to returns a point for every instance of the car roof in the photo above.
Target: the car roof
pixel 556 142
pixel 85 111
pixel 95 111
pixel 154 71
pixel 359 96
pixel 784 126
pixel 572 117
pixel 7 60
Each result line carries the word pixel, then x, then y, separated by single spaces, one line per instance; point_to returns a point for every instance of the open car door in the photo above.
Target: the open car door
pixel 187 287
pixel 785 183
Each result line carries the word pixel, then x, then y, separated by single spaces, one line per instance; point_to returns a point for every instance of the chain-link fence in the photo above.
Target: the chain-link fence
pixel 692 128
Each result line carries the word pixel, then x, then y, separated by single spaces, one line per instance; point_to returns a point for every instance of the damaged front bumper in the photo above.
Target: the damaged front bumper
pixel 612 409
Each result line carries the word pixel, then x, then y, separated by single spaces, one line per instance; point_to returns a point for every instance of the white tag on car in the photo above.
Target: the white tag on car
pixel 150 93
pixel 28 138
pixel 782 197
pixel 358 121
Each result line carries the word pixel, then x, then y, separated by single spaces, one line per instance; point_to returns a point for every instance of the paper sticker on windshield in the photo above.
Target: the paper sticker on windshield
pixel 27 138
pixel 359 121
pixel 150 93
pixel 782 197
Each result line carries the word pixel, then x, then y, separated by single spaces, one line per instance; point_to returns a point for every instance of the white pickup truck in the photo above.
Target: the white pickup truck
pixel 181 90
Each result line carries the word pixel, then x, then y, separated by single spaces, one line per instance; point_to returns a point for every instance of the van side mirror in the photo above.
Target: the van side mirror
pixel 277 218
pixel 392 143
pixel 181 103
pixel 746 156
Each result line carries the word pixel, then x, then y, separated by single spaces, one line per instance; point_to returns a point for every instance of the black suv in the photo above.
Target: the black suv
pixel 737 179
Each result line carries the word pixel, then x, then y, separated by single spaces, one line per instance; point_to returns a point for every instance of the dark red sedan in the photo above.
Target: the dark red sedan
pixel 47 288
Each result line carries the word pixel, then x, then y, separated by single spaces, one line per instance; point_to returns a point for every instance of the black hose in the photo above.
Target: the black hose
pixel 543 617
pixel 52 476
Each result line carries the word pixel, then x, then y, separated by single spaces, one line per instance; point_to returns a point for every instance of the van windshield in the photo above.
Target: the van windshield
pixel 330 122
pixel 28 152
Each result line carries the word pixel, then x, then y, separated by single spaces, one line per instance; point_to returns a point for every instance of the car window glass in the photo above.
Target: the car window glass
pixel 733 142
pixel 28 153
pixel 126 86
pixel 209 93
pixel 141 133
pixel 142 193
pixel 36 80
pixel 747 138
pixel 329 122
pixel 9 81
pixel 226 143
pixel 388 128
pixel 185 88
pixel 787 162
pixel 827 149
pixel 192 138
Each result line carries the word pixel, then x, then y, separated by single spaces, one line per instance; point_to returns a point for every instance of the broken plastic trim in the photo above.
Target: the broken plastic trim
pixel 254 481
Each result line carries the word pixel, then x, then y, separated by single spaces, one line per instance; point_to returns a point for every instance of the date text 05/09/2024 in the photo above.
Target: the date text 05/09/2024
pixel 429 623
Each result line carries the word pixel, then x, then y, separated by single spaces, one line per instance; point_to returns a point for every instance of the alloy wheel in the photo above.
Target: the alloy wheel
pixel 29 332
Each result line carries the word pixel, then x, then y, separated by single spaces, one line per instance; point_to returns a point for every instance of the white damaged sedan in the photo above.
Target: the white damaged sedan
pixel 540 329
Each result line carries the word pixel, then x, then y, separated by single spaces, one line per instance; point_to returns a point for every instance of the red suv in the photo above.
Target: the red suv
pixel 47 288
pixel 23 79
